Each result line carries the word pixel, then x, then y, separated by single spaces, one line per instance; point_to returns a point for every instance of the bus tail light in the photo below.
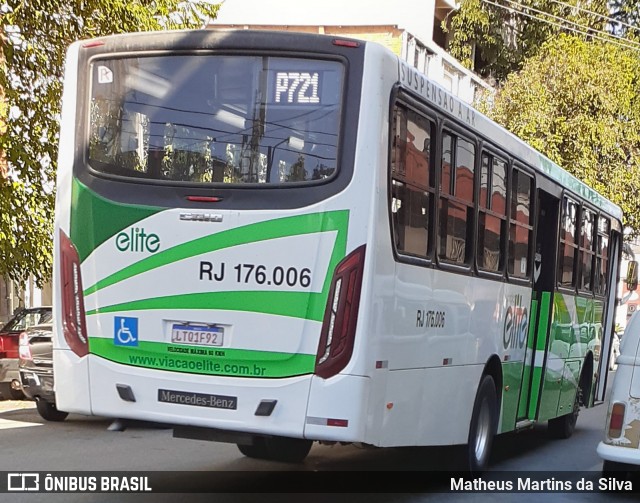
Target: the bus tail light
pixel 340 316
pixel 73 315
pixel 616 420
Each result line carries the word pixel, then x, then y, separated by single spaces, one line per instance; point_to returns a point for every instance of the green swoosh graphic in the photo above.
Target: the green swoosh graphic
pixel 95 219
pixel 271 229
pixel 309 306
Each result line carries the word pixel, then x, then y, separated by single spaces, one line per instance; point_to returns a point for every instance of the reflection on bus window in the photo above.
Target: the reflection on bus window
pixel 521 226
pixel 457 193
pixel 412 182
pixel 216 119
pixel 492 213
pixel 568 243
pixel 602 256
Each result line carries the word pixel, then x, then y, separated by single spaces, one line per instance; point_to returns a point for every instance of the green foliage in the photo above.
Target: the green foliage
pixel 36 35
pixel 495 37
pixel 578 103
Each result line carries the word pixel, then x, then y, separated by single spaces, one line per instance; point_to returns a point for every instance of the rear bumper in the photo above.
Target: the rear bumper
pixel 619 454
pixel 37 383
pixel 223 403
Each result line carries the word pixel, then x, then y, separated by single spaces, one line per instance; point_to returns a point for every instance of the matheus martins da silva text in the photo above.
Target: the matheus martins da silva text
pixel 550 484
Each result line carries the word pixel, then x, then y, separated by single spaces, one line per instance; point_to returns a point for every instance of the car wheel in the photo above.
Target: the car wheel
pixel 9 393
pixel 16 394
pixel 49 412
pixel 483 426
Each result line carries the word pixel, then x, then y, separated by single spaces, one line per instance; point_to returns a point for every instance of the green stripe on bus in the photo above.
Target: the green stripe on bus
pixel 541 343
pixel 205 360
pixel 261 231
pixel 303 305
pixel 526 371
pixel 95 219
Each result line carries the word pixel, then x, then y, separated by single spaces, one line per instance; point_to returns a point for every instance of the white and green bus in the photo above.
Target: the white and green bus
pixel 273 239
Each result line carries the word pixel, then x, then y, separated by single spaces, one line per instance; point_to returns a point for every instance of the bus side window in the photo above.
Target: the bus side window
pixel 456 199
pixel 602 256
pixel 520 224
pixel 587 250
pixel 567 264
pixel 412 182
pixel 492 213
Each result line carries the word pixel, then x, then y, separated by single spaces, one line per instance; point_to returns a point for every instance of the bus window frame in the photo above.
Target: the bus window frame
pixel 214 53
pixel 581 291
pixel 533 209
pixel 400 96
pixel 573 290
pixel 614 226
pixel 493 150
pixel 469 266
pixel 170 194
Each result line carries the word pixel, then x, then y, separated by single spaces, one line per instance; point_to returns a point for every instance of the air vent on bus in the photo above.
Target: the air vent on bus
pixel 340 316
pixel 73 315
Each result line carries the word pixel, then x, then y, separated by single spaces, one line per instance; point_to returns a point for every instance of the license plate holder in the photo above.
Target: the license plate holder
pixel 197 335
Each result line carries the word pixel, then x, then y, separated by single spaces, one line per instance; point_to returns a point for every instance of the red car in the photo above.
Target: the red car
pixel 9 376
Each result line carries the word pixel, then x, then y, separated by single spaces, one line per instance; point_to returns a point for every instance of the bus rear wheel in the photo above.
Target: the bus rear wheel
pixel 483 426
pixel 564 426
pixel 284 449
pixel 257 450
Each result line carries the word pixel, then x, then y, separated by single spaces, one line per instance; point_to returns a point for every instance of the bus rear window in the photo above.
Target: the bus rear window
pixel 216 119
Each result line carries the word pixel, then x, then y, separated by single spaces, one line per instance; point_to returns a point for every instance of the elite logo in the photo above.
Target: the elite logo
pixel 516 324
pixel 137 240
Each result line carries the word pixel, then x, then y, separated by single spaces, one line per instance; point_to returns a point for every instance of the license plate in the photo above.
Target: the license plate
pixel 197 335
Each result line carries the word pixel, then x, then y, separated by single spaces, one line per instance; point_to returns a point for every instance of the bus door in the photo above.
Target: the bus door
pixel 544 281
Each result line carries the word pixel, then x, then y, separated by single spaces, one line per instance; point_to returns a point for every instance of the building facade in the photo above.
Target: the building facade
pixel 411 30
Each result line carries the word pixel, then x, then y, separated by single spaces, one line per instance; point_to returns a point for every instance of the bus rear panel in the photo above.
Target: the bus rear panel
pixel 206 273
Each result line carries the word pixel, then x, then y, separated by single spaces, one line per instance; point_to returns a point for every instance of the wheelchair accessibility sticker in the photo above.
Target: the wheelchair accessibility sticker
pixel 125 331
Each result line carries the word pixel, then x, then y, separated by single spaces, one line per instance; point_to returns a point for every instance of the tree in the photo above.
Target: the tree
pixel 627 15
pixel 36 35
pixel 578 103
pixel 495 37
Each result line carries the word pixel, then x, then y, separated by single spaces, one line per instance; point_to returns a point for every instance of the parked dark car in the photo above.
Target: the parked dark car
pixel 36 370
pixel 22 320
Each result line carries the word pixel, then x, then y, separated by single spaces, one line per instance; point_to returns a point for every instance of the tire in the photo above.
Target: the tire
pixel 563 427
pixel 483 426
pixel 257 450
pixel 620 470
pixel 49 412
pixel 16 394
pixel 286 450
pixel 9 393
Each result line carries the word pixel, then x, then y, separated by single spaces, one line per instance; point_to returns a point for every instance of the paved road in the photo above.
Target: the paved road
pixel 87 443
